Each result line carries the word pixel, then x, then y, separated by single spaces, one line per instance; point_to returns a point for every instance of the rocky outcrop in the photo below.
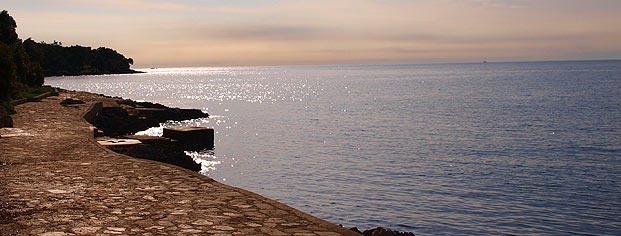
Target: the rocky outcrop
pixel 128 117
pixel 379 231
pixel 119 118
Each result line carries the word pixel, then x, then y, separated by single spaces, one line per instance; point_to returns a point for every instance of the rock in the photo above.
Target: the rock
pixel 6 121
pixel 355 229
pixel 128 117
pixel 150 112
pixel 199 137
pixel 93 112
pixel 70 101
pixel 379 231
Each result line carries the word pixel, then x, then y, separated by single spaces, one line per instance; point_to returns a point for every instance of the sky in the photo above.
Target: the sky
pixel 167 33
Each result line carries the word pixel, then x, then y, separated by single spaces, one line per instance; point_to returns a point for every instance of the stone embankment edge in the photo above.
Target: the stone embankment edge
pixel 35 99
pixel 95 108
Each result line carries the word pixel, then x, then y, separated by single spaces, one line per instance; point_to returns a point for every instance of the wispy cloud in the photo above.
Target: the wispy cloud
pixel 129 5
pixel 503 3
pixel 191 32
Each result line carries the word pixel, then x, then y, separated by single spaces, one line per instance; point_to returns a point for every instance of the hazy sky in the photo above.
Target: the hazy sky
pixel 276 32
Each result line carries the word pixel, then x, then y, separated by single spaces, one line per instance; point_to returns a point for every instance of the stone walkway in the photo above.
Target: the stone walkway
pixel 55 180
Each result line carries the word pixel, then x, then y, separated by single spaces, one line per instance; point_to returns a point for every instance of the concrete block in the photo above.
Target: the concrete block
pixel 119 142
pixel 199 137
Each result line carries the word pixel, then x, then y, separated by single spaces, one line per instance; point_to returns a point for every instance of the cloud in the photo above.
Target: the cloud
pixel 263 32
pixel 503 3
pixel 258 32
pixel 128 5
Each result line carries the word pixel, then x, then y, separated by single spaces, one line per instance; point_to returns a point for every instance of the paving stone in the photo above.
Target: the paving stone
pixel 223 227
pixel 202 222
pixel 55 234
pixel 85 230
pixel 327 233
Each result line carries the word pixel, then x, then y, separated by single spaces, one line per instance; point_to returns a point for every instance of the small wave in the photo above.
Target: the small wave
pixel 599 149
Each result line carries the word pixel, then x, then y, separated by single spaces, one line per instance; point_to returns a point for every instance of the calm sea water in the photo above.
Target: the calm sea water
pixel 496 148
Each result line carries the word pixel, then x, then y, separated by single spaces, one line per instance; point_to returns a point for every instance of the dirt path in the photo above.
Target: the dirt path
pixel 55 180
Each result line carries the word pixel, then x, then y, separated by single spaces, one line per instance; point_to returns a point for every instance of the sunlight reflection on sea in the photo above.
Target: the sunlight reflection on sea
pixel 456 149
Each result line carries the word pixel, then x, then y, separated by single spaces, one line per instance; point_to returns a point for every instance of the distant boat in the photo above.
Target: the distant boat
pixel 484 61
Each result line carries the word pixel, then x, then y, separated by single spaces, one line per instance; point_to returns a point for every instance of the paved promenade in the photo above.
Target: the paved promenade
pixel 55 180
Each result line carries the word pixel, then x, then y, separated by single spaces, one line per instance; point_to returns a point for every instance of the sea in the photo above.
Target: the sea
pixel 520 148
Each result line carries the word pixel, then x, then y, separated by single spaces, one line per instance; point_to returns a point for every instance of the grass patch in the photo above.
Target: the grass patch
pixel 33 92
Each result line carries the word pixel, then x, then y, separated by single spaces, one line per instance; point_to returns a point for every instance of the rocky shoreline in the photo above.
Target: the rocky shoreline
pixel 56 180
pixel 137 116
pixel 128 116
pixel 121 118
pixel 116 117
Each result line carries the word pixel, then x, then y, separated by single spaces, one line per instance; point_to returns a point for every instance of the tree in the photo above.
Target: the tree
pixel 8 35
pixel 7 72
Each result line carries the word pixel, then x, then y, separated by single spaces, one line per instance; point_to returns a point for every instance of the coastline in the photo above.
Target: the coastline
pixel 56 179
pixel 130 71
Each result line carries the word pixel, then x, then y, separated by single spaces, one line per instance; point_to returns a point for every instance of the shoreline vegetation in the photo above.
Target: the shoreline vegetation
pixel 25 63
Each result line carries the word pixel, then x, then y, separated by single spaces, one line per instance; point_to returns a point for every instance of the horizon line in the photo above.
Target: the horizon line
pixel 385 64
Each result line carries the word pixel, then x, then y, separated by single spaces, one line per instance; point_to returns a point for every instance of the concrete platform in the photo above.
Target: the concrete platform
pixel 199 137
pixel 118 142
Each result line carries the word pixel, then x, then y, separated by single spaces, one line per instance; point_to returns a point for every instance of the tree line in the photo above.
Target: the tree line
pixel 77 60
pixel 25 63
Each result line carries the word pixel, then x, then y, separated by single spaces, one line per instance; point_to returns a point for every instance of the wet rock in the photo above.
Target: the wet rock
pixel 355 229
pixel 379 231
